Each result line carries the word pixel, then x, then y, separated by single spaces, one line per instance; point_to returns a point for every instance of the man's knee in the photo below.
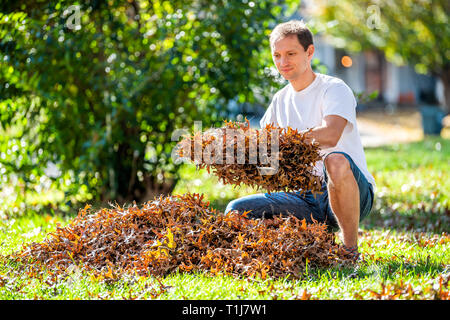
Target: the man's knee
pixel 337 166
pixel 236 204
pixel 250 206
pixel 231 206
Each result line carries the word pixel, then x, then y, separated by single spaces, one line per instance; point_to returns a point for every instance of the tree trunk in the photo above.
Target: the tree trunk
pixel 153 188
pixel 129 187
pixel 445 77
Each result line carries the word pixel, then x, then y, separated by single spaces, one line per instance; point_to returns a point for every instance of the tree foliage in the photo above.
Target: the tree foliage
pixel 102 95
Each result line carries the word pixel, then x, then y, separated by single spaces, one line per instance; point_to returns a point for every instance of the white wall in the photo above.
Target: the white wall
pixel 392 88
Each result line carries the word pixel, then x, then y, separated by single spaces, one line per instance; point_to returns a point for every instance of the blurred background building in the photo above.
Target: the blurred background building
pixel 369 70
pixel 365 72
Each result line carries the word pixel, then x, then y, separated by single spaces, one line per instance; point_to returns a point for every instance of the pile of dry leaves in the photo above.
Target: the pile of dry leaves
pixel 182 233
pixel 272 158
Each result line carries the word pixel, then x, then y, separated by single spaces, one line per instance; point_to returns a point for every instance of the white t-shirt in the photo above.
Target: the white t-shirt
pixel 306 108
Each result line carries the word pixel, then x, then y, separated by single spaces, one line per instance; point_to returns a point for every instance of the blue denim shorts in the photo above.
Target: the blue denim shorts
pixel 304 205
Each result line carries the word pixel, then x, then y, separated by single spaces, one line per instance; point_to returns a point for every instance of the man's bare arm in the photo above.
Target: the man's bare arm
pixel 329 133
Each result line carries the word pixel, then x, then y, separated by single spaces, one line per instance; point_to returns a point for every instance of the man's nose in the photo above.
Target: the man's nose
pixel 283 61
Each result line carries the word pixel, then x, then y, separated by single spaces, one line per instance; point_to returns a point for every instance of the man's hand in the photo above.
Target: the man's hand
pixel 329 133
pixel 308 137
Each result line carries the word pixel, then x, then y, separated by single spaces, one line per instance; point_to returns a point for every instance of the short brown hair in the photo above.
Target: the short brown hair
pixel 295 27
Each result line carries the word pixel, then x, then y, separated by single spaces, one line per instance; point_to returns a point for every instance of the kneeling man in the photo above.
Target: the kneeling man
pixel 328 106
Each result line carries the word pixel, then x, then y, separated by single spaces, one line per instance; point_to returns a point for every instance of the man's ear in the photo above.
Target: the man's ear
pixel 310 51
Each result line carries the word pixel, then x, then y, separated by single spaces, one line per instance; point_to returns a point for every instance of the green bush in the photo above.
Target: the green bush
pixel 101 96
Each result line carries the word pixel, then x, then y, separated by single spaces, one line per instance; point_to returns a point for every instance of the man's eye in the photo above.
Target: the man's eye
pixel 291 53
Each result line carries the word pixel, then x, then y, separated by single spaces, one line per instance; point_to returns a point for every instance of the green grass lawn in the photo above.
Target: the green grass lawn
pixel 405 243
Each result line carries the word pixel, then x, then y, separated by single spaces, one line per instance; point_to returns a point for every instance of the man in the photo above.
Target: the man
pixel 327 105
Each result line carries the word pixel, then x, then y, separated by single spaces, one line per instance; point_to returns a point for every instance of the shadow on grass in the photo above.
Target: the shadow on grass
pixel 384 270
pixel 432 221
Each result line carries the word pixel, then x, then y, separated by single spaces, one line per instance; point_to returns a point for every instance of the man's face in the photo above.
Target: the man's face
pixel 290 58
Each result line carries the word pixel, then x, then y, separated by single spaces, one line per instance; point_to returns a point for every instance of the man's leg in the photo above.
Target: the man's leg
pixel 343 193
pixel 265 205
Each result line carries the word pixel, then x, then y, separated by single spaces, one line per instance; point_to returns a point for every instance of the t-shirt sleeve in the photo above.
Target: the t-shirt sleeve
pixel 339 100
pixel 269 115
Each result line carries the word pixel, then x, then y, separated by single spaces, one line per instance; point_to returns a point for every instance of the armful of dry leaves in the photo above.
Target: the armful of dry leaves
pixel 271 158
